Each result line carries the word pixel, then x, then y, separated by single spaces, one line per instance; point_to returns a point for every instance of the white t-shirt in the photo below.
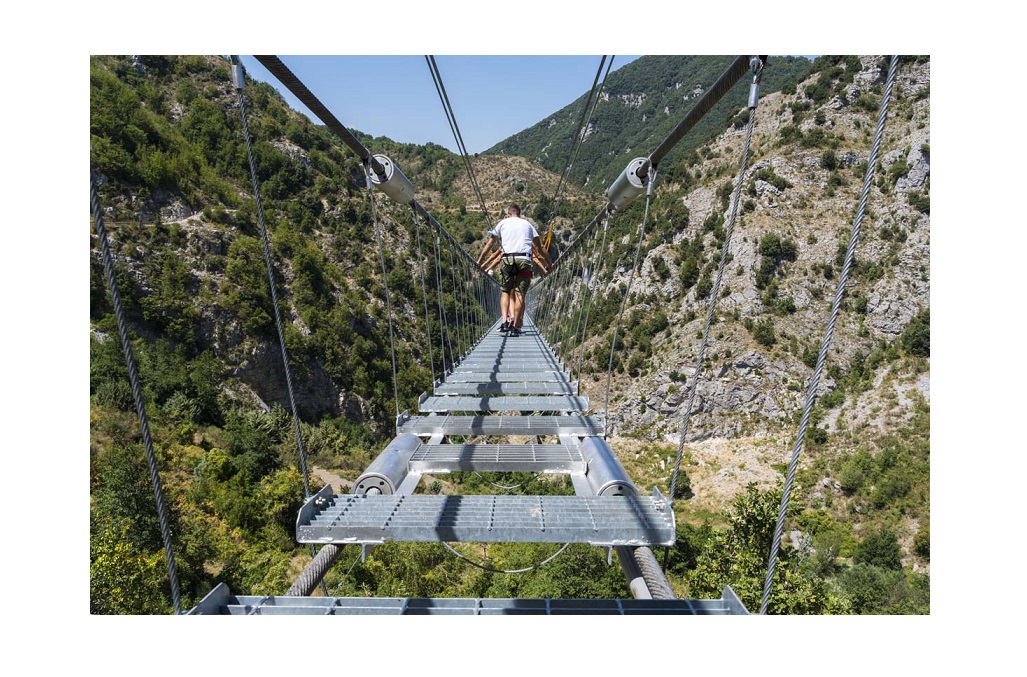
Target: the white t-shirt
pixel 515 234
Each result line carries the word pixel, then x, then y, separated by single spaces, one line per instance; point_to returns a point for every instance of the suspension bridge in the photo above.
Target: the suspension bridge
pixel 499 403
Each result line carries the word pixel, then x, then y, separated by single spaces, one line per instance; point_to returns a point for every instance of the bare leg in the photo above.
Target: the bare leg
pixel 504 306
pixel 518 308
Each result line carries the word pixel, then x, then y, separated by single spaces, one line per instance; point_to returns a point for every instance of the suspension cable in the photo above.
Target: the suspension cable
pixel 137 392
pixel 509 571
pixel 627 292
pixel 587 113
pixel 275 66
pixel 271 274
pixel 451 117
pixel 739 67
pixel 811 391
pixel 239 82
pixel 715 292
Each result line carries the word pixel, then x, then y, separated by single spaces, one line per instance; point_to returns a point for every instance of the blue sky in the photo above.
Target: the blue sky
pixel 493 97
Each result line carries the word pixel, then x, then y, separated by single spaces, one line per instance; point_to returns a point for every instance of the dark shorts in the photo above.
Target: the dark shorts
pixel 515 274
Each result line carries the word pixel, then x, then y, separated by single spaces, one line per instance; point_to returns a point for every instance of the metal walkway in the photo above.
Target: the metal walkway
pixel 514 409
pixel 220 601
pixel 385 507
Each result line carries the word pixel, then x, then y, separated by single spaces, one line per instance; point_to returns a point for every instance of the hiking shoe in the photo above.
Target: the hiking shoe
pixel 515 332
pixel 504 327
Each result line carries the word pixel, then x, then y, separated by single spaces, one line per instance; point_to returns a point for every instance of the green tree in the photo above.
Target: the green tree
pixel 170 304
pixel 916 337
pixel 879 549
pixel 122 578
pixel 739 556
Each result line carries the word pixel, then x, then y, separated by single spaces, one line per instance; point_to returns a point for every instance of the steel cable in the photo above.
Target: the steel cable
pixel 451 118
pixel 424 294
pixel 811 391
pixel 627 292
pixel 587 113
pixel 715 291
pixel 593 284
pixel 137 392
pixel 508 571
pixel 239 84
pixel 385 281
pixel 271 278
pixel 315 571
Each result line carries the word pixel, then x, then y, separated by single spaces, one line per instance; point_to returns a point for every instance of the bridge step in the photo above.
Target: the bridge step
pixel 502 403
pixel 503 425
pixel 508 364
pixel 220 601
pixel 544 458
pixel 492 376
pixel 596 520
pixel 509 388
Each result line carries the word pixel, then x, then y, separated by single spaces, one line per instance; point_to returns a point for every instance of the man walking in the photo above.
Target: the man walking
pixel 518 240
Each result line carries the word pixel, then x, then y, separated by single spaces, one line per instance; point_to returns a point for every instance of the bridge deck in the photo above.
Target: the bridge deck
pixel 597 520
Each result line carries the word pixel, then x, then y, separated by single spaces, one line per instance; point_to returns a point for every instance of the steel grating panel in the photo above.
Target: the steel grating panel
pixel 597 520
pixel 511 364
pixel 221 602
pixel 503 425
pixel 509 388
pixel 493 376
pixel 498 458
pixel 503 403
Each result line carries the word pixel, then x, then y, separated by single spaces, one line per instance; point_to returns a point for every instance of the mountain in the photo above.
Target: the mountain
pixel 170 159
pixel 640 105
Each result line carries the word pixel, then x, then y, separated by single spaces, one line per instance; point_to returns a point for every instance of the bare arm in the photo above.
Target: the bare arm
pixel 484 250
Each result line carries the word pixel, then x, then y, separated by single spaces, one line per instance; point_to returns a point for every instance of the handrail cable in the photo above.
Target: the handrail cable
pixel 451 117
pixel 385 281
pixel 444 336
pixel 811 391
pixel 627 292
pixel 424 293
pixel 137 391
pixel 239 83
pixel 711 308
pixel 587 113
pixel 597 265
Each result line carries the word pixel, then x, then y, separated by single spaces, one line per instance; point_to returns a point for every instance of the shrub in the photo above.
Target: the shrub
pixel 829 160
pixel 763 332
pixel 880 549
pixel 856 471
pixel 922 541
pixel 815 435
pixel 919 201
pixel 916 338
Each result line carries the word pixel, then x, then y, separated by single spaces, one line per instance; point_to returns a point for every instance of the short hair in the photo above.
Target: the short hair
pixel 515 209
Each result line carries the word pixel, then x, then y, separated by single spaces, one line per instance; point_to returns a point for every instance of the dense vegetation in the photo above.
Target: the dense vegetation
pixel 166 138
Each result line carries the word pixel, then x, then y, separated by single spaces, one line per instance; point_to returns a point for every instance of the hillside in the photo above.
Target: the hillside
pixel 166 141
pixel 639 106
